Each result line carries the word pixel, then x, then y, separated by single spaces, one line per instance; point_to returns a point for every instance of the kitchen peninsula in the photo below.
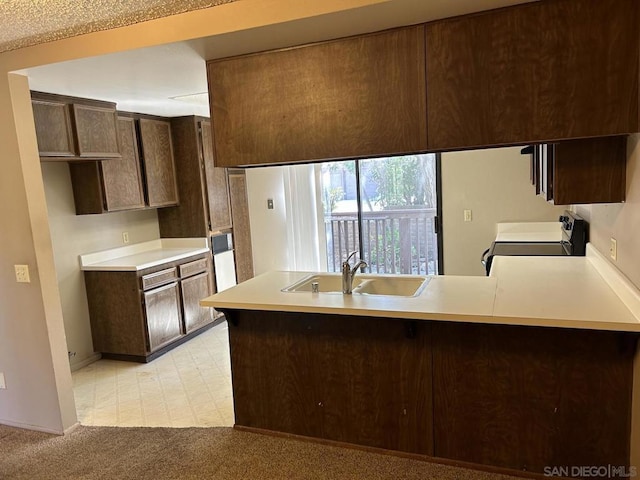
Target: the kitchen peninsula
pixel 528 368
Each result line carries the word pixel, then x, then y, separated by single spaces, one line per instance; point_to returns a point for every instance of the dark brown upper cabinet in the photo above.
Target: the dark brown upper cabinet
pixel 97 137
pixel 110 185
pixel 53 128
pixel 159 167
pixel 122 179
pixel 204 189
pixel 544 71
pixel 590 170
pixel 354 97
pixel 70 128
pixel 119 183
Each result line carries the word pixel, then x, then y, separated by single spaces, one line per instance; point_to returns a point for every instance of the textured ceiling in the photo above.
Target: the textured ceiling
pixel 29 22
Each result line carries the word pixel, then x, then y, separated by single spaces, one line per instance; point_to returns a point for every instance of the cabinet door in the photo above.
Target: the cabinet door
pixel 96 131
pixel 195 289
pixel 121 177
pixel 162 309
pixel 352 97
pixel 536 72
pixel 53 129
pixel 347 379
pixel 591 170
pixel 529 397
pixel 481 77
pixel 159 168
pixel 587 71
pixel 241 226
pixel 217 183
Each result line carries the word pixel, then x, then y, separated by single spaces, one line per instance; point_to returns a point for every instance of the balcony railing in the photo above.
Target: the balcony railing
pixel 394 241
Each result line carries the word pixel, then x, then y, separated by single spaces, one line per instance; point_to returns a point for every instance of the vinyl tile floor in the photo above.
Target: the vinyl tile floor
pixel 190 386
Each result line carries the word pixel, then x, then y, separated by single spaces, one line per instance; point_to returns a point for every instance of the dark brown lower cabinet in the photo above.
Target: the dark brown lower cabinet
pixel 138 316
pixel 195 289
pixel 528 398
pixel 349 379
pixel 522 398
pixel 162 312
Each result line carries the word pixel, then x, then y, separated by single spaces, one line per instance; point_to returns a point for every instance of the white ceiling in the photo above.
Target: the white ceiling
pixel 146 80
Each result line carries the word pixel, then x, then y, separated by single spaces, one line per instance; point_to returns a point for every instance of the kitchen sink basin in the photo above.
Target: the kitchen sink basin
pixel 363 284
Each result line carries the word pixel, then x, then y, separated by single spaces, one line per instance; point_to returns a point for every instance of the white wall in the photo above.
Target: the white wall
pixel 620 220
pixel 73 235
pixel 289 237
pixel 494 185
pixel 268 227
pixel 39 392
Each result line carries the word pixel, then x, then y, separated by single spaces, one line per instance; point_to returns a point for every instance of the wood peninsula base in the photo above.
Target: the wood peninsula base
pixel 515 397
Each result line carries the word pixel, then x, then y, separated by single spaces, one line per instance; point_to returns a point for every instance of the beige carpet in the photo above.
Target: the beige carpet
pixel 199 453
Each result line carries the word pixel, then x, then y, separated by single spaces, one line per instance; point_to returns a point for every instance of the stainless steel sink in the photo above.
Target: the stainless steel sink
pixel 363 284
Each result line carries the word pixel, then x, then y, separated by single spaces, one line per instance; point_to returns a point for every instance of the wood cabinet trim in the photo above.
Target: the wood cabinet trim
pixel 241 225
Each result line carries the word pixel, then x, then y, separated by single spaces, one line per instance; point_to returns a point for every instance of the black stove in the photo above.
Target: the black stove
pixel 574 242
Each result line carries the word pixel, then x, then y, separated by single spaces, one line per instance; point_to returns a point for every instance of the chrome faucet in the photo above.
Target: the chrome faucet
pixel 348 273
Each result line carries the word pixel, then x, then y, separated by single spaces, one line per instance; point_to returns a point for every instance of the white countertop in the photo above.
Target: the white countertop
pixel 143 255
pixel 569 292
pixel 529 232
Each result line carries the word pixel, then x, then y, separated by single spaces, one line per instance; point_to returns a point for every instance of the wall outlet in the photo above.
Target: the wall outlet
pixel 467 216
pixel 3 385
pixel 22 273
pixel 270 203
pixel 613 249
pixel 125 237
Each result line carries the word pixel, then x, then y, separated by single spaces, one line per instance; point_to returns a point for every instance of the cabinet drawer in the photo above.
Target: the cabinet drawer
pixel 191 268
pixel 159 278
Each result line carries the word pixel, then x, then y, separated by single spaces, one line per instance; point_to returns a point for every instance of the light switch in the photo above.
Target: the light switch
pixel 22 273
pixel 2 382
pixel 270 203
pixel 467 216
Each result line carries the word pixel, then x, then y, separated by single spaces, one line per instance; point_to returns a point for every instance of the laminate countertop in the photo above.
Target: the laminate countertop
pixel 529 232
pixel 144 255
pixel 567 292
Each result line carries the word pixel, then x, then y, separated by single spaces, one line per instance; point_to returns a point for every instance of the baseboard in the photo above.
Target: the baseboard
pixel 27 426
pixel 396 453
pixel 67 431
pixel 87 361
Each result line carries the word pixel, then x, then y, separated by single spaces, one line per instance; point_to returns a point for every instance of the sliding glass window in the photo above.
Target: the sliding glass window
pixel 385 209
